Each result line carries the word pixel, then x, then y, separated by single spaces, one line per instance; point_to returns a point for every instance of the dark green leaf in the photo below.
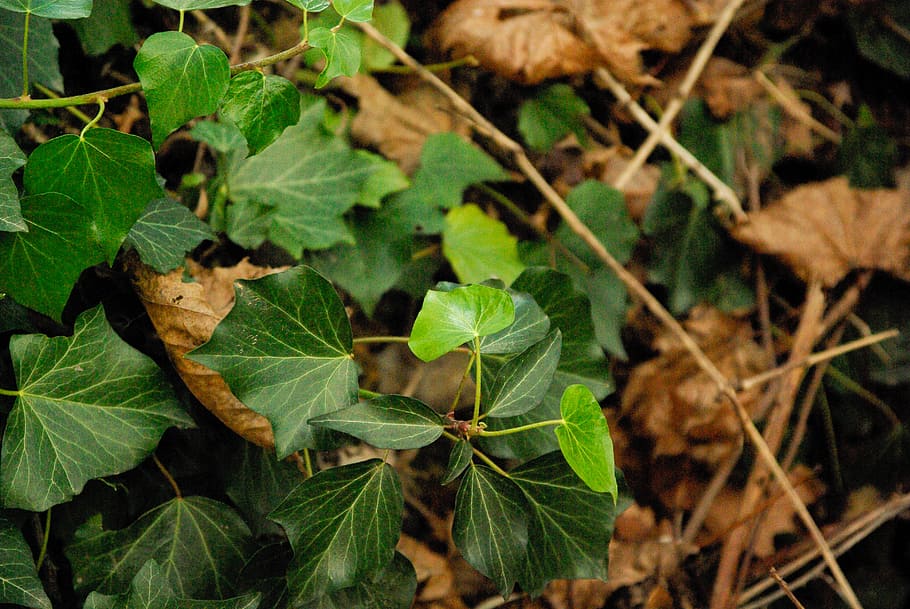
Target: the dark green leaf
pixel 39 267
pixel 708 139
pixel 603 210
pixel 165 233
pixel 343 524
pixel 392 20
pixel 311 178
pixel 459 459
pixel 354 10
pixel 569 527
pixel 192 5
pixel 523 381
pixel 479 247
pixel 52 9
pixel 868 154
pixel 42 61
pixel 285 351
pixel 449 319
pixel 257 482
pixel 530 326
pixel 223 137
pixel 201 545
pixel 584 440
pixel 389 421
pixel 393 588
pixel 262 106
pixel 880 34
pixel 88 406
pixel 341 51
pixel 491 525
pixel 552 114
pixel 385 179
pixel 123 181
pixel 19 583
pixel 11 159
pixel 181 79
pixel 109 24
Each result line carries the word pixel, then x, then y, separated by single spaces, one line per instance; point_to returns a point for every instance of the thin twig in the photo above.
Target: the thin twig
pixel 167 476
pixel 223 39
pixel 672 110
pixel 634 286
pixel 783 586
pixel 792 107
pixel 243 26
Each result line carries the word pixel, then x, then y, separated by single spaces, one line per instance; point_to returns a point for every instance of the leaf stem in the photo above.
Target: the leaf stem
pixel 505 432
pixel 167 476
pixel 47 534
pixel 95 120
pixel 307 463
pixel 306 26
pixel 82 116
pixel 480 455
pixel 28 15
pixel 180 25
pixel 367 394
pixel 464 377
pixel 366 340
pixel 467 60
pixel 10 392
pixel 477 360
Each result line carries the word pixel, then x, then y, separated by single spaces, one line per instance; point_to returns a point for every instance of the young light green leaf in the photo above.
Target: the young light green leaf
pixel 491 526
pixel 449 319
pixel 479 247
pixel 181 79
pixel 122 168
pixel 551 115
pixel 39 267
pixel 584 439
pixel 523 381
pixel 343 524
pixel 354 10
pixel 562 543
pixel 393 588
pixel 165 232
pixel 389 421
pixel 285 351
pixel 341 51
pixel 19 582
pixel 52 9
pixel 262 106
pixel 88 406
pixel 201 545
pixel 530 326
pixel 11 159
pixel 392 20
pixel 43 66
pixel 459 459
pixel 603 209
pixel 385 179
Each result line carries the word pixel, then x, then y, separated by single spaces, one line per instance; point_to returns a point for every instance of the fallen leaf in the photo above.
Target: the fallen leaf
pixel 185 315
pixel 825 230
pixel 727 87
pixel 434 575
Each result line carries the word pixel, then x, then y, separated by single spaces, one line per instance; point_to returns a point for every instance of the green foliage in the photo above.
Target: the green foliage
pixel 43 66
pixel 880 34
pixel 165 232
pixel 52 9
pixel 551 115
pixel 262 106
pixel 19 583
pixel 108 25
pixel 585 439
pixel 11 159
pixel 388 421
pixel 479 247
pixel 867 154
pixel 522 382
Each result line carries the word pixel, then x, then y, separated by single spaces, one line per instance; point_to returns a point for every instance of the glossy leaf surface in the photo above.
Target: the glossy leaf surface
pixel 523 381
pixel 531 324
pixel 52 9
pixel 43 66
pixel 165 232
pixel 257 482
pixel 584 439
pixel 389 421
pixel 479 247
pixel 262 106
pixel 19 583
pixel 459 460
pixel 11 159
pixel 88 406
pixel 341 51
pixel 354 10
pixel 285 351
pixel 449 319
pixel 343 524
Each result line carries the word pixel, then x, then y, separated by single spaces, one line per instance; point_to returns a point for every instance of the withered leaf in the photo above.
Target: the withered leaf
pixel 825 230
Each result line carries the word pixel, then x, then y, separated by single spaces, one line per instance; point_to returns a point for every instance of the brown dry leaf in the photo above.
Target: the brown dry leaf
pixel 727 87
pixel 185 315
pixel 398 126
pixel 825 230
pixel 434 574
pixel 532 40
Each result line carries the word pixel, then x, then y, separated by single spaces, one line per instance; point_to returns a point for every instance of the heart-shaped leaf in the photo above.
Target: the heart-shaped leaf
pixel 19 583
pixel 181 79
pixel 262 106
pixel 43 66
pixel 52 9
pixel 388 421
pixel 201 545
pixel 449 319
pixel 491 525
pixel 285 351
pixel 523 381
pixel 87 406
pixel 354 10
pixel 584 439
pixel 393 588
pixel 341 50
pixel 122 171
pixel 479 247
pixel 343 524
pixel 11 159
pixel 165 232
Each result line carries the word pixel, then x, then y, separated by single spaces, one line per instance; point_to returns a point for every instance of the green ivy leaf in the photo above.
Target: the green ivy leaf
pixel 490 526
pixel 459 459
pixel 603 210
pixel 449 319
pixel 393 588
pixel 262 106
pixel 11 159
pixel 201 545
pixel 551 115
pixel 389 421
pixel 193 5
pixel 385 179
pixel 584 439
pixel 109 24
pixel 479 247
pixel 310 177
pixel 562 543
pixel 52 9
pixel 868 154
pixel 343 524
pixel 123 181
pixel 42 61
pixel 39 267
pixel 530 326
pixel 883 42
pixel 165 232
pixel 87 406
pixel 354 10
pixel 285 351
pixel 341 51
pixel 311 6
pixel 522 382
pixel 392 20
pixel 181 79
pixel 19 582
